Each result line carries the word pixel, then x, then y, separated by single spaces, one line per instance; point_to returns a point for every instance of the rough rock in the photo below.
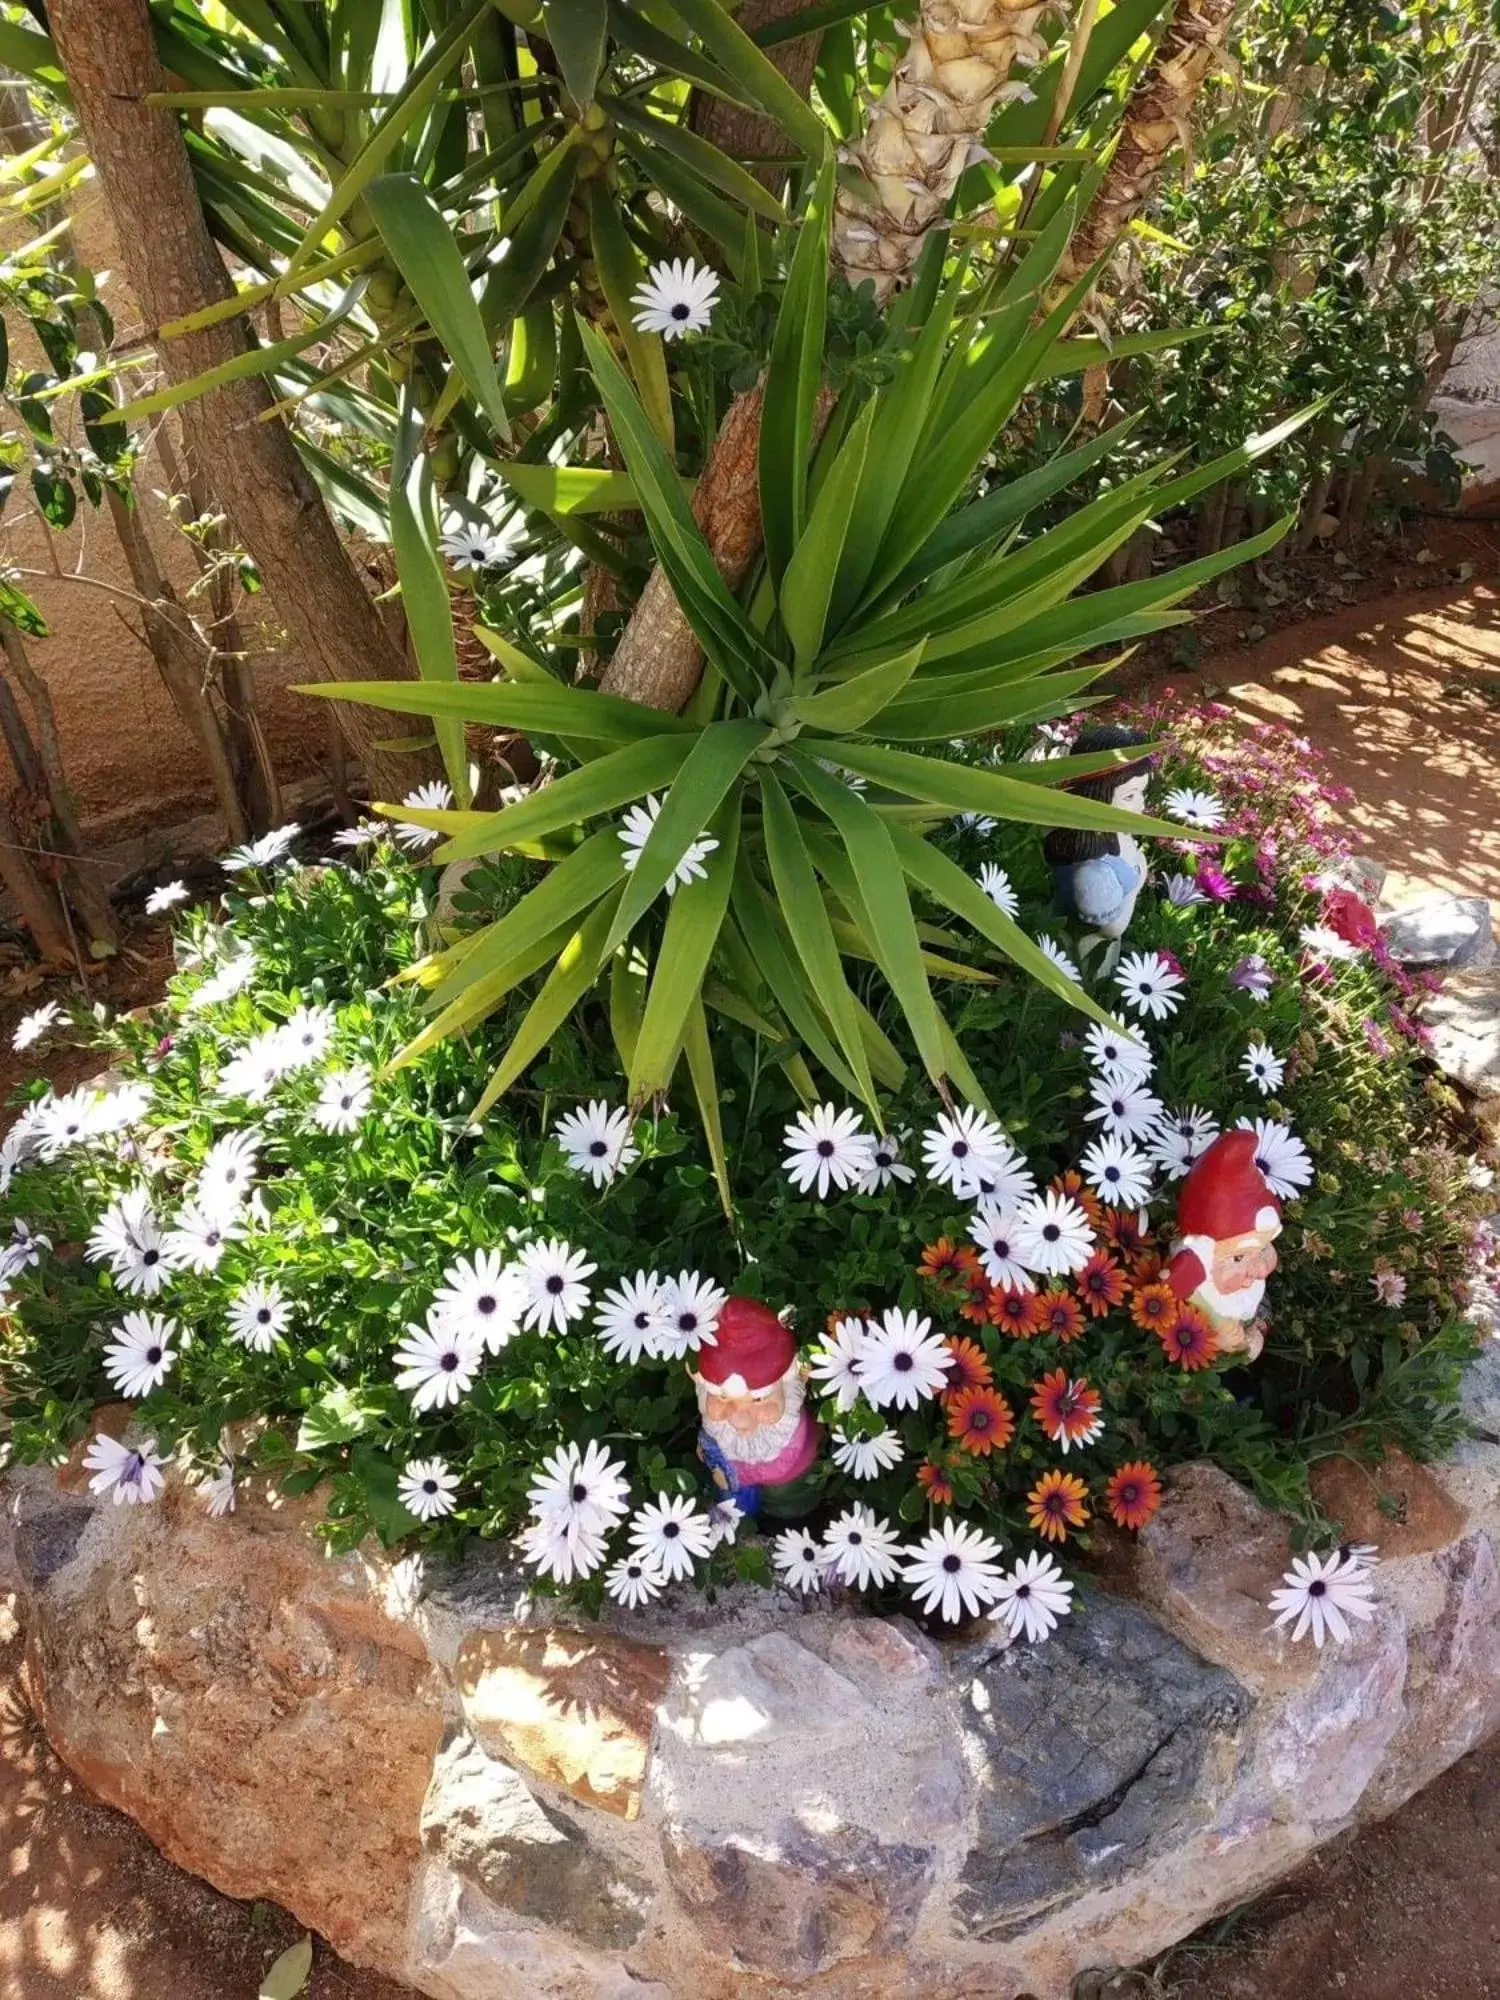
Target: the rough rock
pixel 1363 874
pixel 1398 1505
pixel 1094 1754
pixel 1453 933
pixel 1464 1021
pixel 575 1708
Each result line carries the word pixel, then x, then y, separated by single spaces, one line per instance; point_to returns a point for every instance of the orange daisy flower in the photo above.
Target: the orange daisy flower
pixel 1189 1339
pixel 969 1368
pixel 1146 1268
pixel 966 1258
pixel 1123 1228
pixel 975 1304
pixel 935 1483
pixel 981 1420
pixel 1076 1188
pixel 1101 1284
pixel 1056 1503
pixel 836 1319
pixel 1058 1313
pixel 1069 1411
pixel 1154 1307
pixel 1014 1313
pixel 941 1262
pixel 1133 1494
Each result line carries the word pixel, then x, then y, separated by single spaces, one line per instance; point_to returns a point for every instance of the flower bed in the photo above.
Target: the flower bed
pixel 297 1258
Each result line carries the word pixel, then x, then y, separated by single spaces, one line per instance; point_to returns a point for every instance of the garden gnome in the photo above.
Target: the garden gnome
pixel 758 1438
pixel 1227 1224
pixel 1097 876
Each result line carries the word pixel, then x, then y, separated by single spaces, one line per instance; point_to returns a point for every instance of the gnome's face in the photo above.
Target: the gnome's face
pixel 751 1424
pixel 1238 1267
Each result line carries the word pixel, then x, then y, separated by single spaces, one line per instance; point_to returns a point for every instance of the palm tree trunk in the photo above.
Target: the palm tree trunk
pixel 934 112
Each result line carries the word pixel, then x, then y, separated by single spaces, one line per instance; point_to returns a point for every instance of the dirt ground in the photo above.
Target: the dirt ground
pixel 1403 693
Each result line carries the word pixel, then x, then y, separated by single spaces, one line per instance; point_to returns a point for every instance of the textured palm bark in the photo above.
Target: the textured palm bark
pixel 173 268
pixel 1157 121
pixel 658 660
pixel 930 121
pixel 748 135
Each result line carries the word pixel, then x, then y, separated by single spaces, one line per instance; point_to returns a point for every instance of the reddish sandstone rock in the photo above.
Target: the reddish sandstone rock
pixel 1397 1504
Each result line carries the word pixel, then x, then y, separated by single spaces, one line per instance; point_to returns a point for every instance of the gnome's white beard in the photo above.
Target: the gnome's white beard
pixel 1228 1305
pixel 759 1447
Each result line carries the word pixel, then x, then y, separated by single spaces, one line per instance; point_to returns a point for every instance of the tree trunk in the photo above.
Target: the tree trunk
pixel 173 269
pixel 934 111
pixel 1156 122
pixel 36 905
pixel 747 134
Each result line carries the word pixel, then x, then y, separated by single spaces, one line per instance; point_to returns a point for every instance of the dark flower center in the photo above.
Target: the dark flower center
pixel 1023 1590
pixel 153 1355
pixel 680 311
pixel 579 1491
pixel 448 1362
pixel 150 1257
pixel 979 1420
pixel 485 1303
pixel 1051 1232
pixel 825 1149
pixel 345 1102
pixel 671 1529
pixel 642 1321
pixel 1317 1589
pixel 212 1238
pixel 960 1149
pixel 429 1486
pixel 263 1317
pixel 855 1538
pixel 901 1363
pixel 598 1149
pixel 953 1564
pixel 554 1284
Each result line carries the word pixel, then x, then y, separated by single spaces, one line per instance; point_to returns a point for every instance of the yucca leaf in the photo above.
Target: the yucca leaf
pixel 553 709
pixel 429 613
pixel 672 56
pixel 929 721
pixel 688 939
pixel 1071 357
pixel 238 368
pixel 619 779
pixel 855 703
pixel 567 489
pixel 621 270
pixel 578 966
pixel 792 381
pixel 717 756
pixel 755 74
pixel 576 30
pixel 422 247
pixel 807 586
pixel 628 972
pixel 563 893
pixel 770 947
pixel 685 189
pixel 475 1002
pixel 699 155
pixel 698 1053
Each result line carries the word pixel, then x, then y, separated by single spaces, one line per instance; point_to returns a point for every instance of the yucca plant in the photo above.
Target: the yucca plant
pixel 889 613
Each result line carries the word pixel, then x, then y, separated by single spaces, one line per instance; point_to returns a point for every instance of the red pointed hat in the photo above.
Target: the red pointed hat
pixel 1225 1193
pixel 749 1341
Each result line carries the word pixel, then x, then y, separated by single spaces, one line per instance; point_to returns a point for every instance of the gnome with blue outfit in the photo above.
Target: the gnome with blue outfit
pixel 1096 877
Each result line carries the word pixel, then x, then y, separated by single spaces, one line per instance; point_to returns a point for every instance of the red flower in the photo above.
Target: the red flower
pixel 1058 1313
pixel 1154 1307
pixel 941 1262
pixel 1073 1185
pixel 969 1368
pixel 1147 1267
pixel 1068 1411
pixel 1015 1313
pixel 1125 1230
pixel 1055 1504
pixel 1133 1494
pixel 935 1483
pixel 975 1304
pixel 981 1420
pixel 1101 1284
pixel 1189 1340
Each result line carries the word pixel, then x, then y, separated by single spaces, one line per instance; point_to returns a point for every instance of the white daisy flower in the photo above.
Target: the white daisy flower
pixel 671 1533
pixel 635 831
pixel 1183 892
pixel 905 1362
pixel 119 1108
pixel 128 1238
pixel 1052 1234
pixel 1322 1593
pixel 1118 1055
pixel 798 1559
pixel 965 1147
pixel 426 1488
pixel 1264 1067
pixel 1118 1172
pixel 1327 945
pixel 1005 1179
pixel 469 547
pixel 597 1141
pixel 827 1147
pixel 482 1296
pixel 263 853
pixel 691 1305
pixel 227 1175
pixel 23 1250
pixel 1033 1596
pixel 553 1274
pixel 972 822
pixel 435 796
pixel 952 1571
pixel 886 1165
pixel 581 1488
pixel 344 1097
pixel 253 1070
pixel 133 1474
pixel 1359 1558
pixel 1179 1138
pixel 634 1581
pixel 565 1554
pixel 66 1121
pixel 1124 1106
pixel 993 1228
pixel 1050 948
pixel 304 1036
pixel 867 1457
pixel 1149 985
pixel 364 833
pixel 231 976
pixel 996 885
pixel 197 1239
pixel 259 1314
pixel 860 1548
pixel 676 298
pixel 1280 1155
pixel 217 1489
pixel 437 1364
pixel 32 1027
pixel 167 897
pixel 22 1144
pixel 837 1363
pixel 631 1317
pixel 141 1355
pixel 725 1519
pixel 1194 808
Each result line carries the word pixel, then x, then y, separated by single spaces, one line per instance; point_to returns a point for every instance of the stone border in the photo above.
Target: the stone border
pixel 754 1798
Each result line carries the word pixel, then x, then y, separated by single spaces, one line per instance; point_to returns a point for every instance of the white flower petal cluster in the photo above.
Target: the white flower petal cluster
pixel 435 796
pixel 1321 1594
pixel 597 1140
pixel 636 829
pixel 827 1148
pixel 676 298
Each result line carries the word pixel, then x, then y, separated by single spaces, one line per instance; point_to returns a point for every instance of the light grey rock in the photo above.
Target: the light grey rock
pixel 1452 933
pixel 1464 1021
pixel 1097 1752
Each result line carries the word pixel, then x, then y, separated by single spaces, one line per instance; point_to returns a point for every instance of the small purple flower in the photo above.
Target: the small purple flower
pixel 1379 1041
pixel 1214 883
pixel 1253 976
